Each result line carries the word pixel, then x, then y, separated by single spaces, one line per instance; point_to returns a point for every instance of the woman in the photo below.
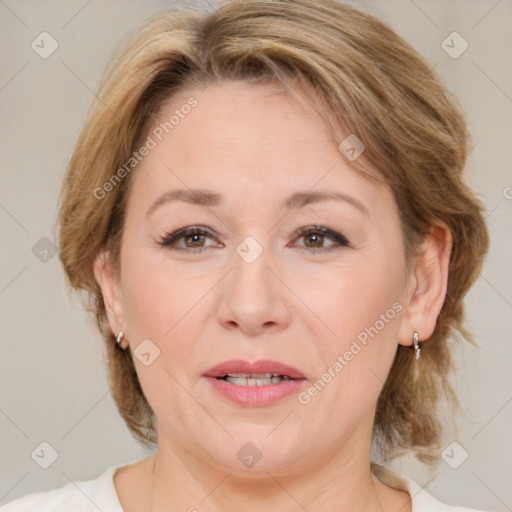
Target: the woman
pixel 267 212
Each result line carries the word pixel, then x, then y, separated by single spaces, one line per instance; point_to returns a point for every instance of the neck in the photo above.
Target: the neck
pixel 181 481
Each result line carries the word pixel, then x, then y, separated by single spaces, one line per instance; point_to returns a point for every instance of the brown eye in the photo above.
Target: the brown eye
pixel 315 238
pixel 187 238
pixel 195 240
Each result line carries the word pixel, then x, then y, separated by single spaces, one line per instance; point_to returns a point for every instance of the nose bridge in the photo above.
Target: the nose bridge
pixel 253 299
pixel 250 272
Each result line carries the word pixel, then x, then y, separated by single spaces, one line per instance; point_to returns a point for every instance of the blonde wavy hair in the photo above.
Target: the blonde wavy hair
pixel 368 80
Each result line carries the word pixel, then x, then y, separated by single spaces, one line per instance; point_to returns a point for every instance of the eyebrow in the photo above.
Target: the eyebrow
pixel 296 200
pixel 199 197
pixel 300 199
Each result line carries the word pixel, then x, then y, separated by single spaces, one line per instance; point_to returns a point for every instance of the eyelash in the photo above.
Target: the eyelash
pixel 338 238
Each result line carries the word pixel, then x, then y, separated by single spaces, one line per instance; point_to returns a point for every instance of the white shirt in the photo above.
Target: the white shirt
pixel 100 494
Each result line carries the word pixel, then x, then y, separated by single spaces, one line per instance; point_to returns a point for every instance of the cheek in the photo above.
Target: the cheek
pixel 155 295
pixel 362 305
pixel 347 299
pixel 161 292
pixel 164 305
pixel 353 364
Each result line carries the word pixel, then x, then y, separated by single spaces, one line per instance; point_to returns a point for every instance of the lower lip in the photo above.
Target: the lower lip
pixel 256 395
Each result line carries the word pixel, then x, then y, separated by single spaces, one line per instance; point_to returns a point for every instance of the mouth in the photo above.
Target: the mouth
pixel 255 383
pixel 251 380
pixel 256 373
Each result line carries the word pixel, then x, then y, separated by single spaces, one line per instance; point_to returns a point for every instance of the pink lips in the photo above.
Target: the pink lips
pixel 262 366
pixel 257 395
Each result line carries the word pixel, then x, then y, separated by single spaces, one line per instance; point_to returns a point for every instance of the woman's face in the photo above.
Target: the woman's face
pixel 290 257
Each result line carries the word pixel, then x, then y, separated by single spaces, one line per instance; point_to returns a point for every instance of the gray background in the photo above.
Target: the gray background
pixel 52 374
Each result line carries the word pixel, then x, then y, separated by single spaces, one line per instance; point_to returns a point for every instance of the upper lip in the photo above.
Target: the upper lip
pixel 260 367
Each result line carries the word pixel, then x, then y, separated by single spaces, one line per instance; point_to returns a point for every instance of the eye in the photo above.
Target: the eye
pixel 193 237
pixel 315 236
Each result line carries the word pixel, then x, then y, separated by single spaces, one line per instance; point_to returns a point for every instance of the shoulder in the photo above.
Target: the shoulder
pixel 421 500
pixel 82 496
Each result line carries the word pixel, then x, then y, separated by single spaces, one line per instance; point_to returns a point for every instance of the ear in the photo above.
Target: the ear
pixel 428 284
pixel 108 281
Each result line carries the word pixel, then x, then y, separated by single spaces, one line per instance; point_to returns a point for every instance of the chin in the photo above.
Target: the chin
pixel 256 450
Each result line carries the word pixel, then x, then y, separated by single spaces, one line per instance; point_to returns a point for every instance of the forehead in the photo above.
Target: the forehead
pixel 250 138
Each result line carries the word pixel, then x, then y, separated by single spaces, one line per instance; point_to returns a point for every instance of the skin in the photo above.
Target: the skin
pixel 255 146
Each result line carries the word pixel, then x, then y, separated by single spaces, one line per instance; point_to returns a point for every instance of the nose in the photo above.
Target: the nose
pixel 253 298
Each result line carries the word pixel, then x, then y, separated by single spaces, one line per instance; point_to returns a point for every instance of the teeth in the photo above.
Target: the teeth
pixel 253 375
pixel 255 379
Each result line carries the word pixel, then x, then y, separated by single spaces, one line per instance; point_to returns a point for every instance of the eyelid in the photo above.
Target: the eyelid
pixel 169 238
pixel 339 239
